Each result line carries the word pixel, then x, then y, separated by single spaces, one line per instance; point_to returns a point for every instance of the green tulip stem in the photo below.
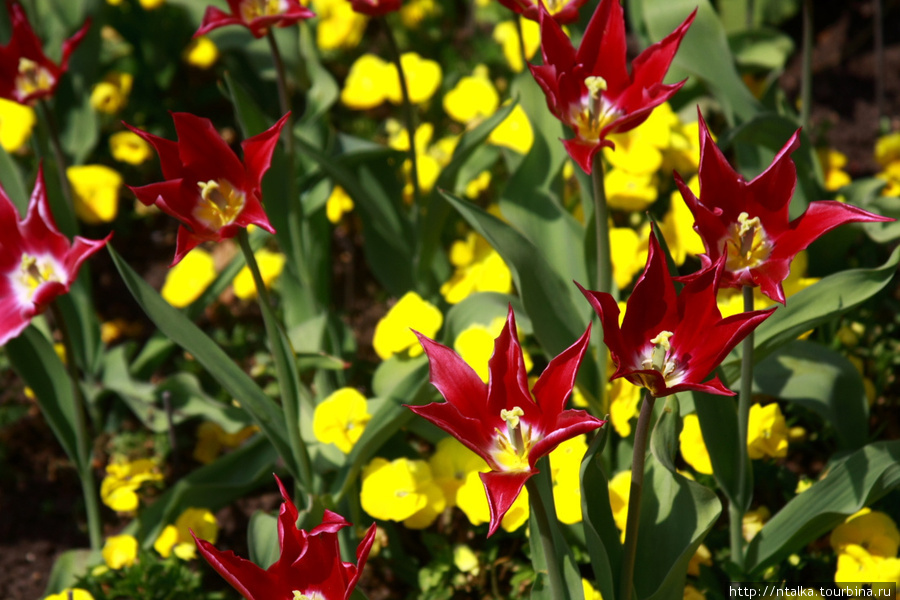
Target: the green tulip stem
pixel 603 281
pixel 521 33
pixel 736 509
pixel 409 120
pixel 806 65
pixel 284 101
pixel 82 436
pixel 58 154
pixel 557 585
pixel 626 582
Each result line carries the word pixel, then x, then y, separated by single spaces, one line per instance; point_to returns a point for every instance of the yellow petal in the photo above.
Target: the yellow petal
pixel 16 124
pixel 96 192
pixel 187 280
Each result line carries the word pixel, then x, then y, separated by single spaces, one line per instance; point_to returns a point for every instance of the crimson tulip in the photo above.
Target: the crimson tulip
pixel 747 222
pixel 256 15
pixel 375 8
pixel 669 342
pixel 206 186
pixel 562 11
pixel 591 90
pixel 309 564
pixel 26 74
pixel 501 421
pixel 37 262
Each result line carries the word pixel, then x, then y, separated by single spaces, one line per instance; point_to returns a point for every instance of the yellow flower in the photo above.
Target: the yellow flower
pixel 678 228
pixel 629 254
pixel 472 500
pixel 177 538
pixel 624 398
pixel 120 551
pixel 128 147
pixel 753 522
pixel 767 433
pixel 475 344
pixel 478 185
pixel 338 203
pixel 401 490
pixel 887 149
pixel 855 565
pixel 693 448
pixel 367 82
pixel 338 25
pixel 212 439
pixel 202 53
pixel 398 136
pixel 683 152
pixel 271 264
pixel 479 268
pixel 413 12
pixel 341 418
pixel 619 492
pixel 76 594
pixel 152 4
pixel 393 333
pixel 630 191
pixel 833 163
pixel 507 35
pixel 701 557
pixel 187 280
pixel 514 132
pixel 465 559
pixel 423 78
pixel 565 466
pixel 16 123
pixel 692 593
pixel 118 490
pixel 874 531
pixel 110 331
pixel 473 98
pixel 111 95
pixel 95 190
pixel 589 592
pixel 450 464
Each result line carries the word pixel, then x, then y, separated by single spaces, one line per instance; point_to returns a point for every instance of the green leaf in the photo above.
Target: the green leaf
pixel 482 308
pixel 183 332
pixel 866 193
pixel 68 567
pixel 262 539
pixel 719 425
pixel 848 486
pixel 822 380
pixel 762 48
pixel 13 183
pixel 600 531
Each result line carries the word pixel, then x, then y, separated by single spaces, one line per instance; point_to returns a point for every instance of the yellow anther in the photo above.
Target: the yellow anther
pixel 748 244
pixel 220 204
pixel 746 224
pixel 33 273
pixel 595 84
pixel 252 9
pixel 32 77
pixel 299 596
pixel 512 416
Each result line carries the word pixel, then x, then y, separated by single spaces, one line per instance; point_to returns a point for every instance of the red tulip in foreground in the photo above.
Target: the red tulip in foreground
pixel 670 342
pixel 26 74
pixel 207 187
pixel 500 421
pixel 591 90
pixel 747 222
pixel 37 262
pixel 256 15
pixel 309 566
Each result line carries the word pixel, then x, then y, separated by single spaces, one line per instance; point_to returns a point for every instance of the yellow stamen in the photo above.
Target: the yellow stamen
pixel 220 203
pixel 594 112
pixel 299 596
pixel 253 9
pixel 33 273
pixel 748 245
pixel 32 77
pixel 658 360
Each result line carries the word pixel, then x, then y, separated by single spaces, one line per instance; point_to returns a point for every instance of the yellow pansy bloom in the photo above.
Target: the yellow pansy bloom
pixel 465 559
pixel 473 97
pixel 212 439
pixel 678 228
pixel 514 132
pixel 401 490
pixel 423 78
pixel 187 280
pixel 341 418
pixel 624 398
pixel 339 202
pixel 450 464
pixel 152 4
pixel 271 264
pixel 767 432
pixel 393 333
pixel 693 448
pixel 629 254
pixel 619 492
pixel 833 163
pixel 120 551
pixel 589 592
pixel 367 82
pixel 128 147
pixel 887 149
pixel 753 522
pixel 76 594
pixel 202 53
pixel 701 557
pixel 565 466
pixel 111 95
pixel 630 191
pixel 16 124
pixel 176 539
pixel 118 490
pixel 478 185
pixel 95 190
pixel 413 12
pixel 873 530
pixel 507 35
pixel 472 500
pixel 338 26
pixel 479 268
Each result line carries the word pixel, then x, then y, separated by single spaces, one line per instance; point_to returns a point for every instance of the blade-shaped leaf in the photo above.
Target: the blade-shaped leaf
pixel 600 531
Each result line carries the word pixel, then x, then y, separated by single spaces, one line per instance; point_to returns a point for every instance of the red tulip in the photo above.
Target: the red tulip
pixel 671 342
pixel 747 222
pixel 501 421
pixel 562 11
pixel 375 8
pixel 207 187
pixel 26 74
pixel 591 90
pixel 37 262
pixel 309 565
pixel 256 15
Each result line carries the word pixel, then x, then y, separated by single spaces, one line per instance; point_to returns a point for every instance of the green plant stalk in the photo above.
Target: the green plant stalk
pixel 736 509
pixel 293 392
pixel 806 69
pixel 521 33
pixel 603 282
pixel 284 101
pixel 409 121
pixel 83 439
pixel 557 584
pixel 58 154
pixel 641 433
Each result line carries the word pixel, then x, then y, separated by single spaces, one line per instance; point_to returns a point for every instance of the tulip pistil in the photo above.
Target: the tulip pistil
pixel 514 446
pixel 749 245
pixel 32 77
pixel 34 272
pixel 658 360
pixel 594 112
pixel 220 203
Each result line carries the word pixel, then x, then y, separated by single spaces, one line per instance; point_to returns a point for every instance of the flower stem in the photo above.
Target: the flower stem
pixel 603 281
pixel 409 119
pixel 736 513
pixel 806 70
pixel 557 585
pixel 82 436
pixel 284 101
pixel 520 31
pixel 58 154
pixel 626 581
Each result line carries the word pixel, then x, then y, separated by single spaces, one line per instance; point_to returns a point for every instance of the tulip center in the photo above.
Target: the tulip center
pixel 514 444
pixel 301 596
pixel 33 77
pixel 34 271
pixel 220 203
pixel 748 245
pixel 595 112
pixel 554 6
pixel 253 9
pixel 659 359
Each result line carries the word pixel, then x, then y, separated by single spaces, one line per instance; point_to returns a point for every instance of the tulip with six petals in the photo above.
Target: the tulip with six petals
pixel 207 187
pixel 308 567
pixel 591 90
pixel 256 15
pixel 502 421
